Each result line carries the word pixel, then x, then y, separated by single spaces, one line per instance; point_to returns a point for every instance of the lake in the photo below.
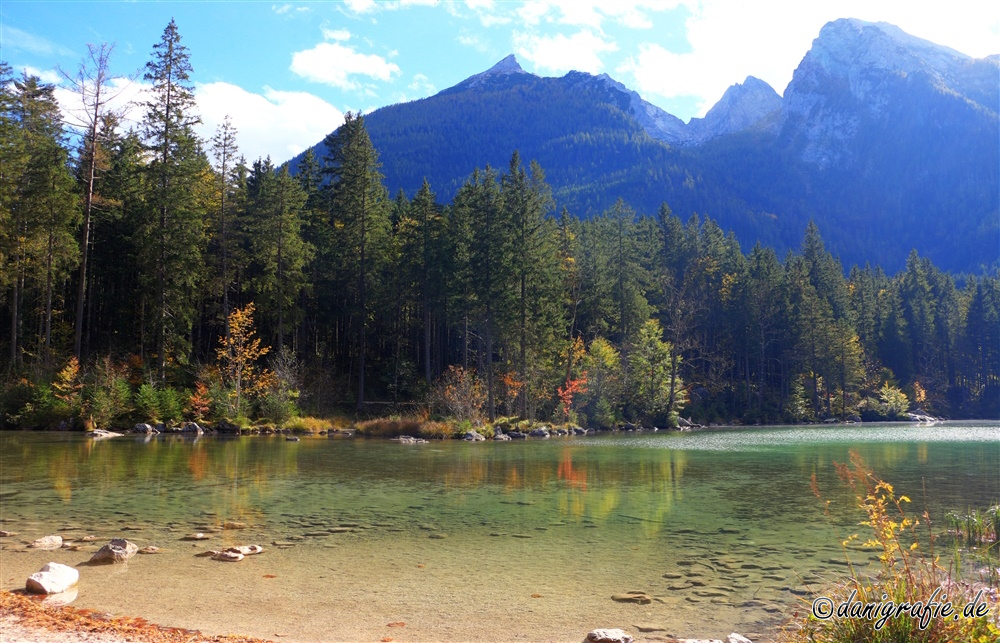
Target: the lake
pixel 495 541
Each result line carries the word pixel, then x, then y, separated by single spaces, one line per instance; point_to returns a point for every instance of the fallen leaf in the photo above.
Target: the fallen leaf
pixel 536 596
pixel 397 624
pixel 269 576
pixel 387 639
pixel 420 566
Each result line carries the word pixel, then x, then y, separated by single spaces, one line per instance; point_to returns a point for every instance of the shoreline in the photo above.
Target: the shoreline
pixel 26 620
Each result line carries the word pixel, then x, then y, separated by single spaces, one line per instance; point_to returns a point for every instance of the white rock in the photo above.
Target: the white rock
pixel 48 542
pixel 246 550
pixel 607 635
pixel 737 638
pixel 53 578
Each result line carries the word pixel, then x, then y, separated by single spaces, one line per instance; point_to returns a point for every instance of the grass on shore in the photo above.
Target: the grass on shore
pixel 909 573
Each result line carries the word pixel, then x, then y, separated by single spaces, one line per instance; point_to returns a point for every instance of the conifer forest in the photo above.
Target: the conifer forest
pixel 147 274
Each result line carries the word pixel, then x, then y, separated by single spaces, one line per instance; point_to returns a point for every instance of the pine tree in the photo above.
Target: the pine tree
pixel 278 255
pixel 358 201
pixel 174 232
pixel 226 152
pixel 493 278
pixel 45 211
pixel 12 160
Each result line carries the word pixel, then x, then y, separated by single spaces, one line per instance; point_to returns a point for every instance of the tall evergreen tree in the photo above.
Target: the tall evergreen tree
pixel 45 212
pixel 226 152
pixel 359 203
pixel 174 232
pixel 278 255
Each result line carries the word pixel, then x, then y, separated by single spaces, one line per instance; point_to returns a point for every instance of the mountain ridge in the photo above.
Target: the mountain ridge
pixel 880 137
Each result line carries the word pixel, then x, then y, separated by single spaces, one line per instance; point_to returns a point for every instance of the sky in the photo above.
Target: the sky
pixel 285 72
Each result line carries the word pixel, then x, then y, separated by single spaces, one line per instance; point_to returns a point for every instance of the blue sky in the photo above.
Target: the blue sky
pixel 287 71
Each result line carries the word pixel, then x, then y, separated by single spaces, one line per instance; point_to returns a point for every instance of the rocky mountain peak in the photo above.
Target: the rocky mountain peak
pixel 856 70
pixel 504 69
pixel 742 107
pixel 508 65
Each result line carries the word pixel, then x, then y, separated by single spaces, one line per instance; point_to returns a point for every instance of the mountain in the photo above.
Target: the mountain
pixel 887 141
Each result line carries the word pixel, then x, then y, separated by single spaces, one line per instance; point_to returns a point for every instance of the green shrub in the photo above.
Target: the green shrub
pixel 147 404
pixel 171 404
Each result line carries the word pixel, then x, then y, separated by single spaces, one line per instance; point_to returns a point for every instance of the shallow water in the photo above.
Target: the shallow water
pixel 488 541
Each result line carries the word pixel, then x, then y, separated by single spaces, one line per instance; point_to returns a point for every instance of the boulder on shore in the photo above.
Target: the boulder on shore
pixel 118 550
pixel 473 436
pixel 608 635
pixel 53 578
pixel 101 434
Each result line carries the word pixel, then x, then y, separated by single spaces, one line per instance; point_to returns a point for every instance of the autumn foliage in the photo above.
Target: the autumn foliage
pixel 238 354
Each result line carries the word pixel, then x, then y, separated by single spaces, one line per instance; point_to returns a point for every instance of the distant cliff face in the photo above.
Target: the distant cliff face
pixel 860 73
pixel 887 141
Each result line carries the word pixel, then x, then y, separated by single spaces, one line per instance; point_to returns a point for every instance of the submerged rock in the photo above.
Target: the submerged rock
pixel 608 635
pixel 632 597
pixel 232 524
pixel 407 439
pixel 246 550
pixel 228 556
pixel 47 542
pixel 151 549
pixel 118 550
pixel 61 599
pixel 197 536
pixel 53 578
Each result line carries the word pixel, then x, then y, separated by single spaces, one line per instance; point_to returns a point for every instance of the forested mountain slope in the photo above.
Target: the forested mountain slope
pixel 887 141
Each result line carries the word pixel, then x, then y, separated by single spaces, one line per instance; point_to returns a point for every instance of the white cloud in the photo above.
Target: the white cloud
pixel 476 43
pixel 360 6
pixel 334 64
pixel 276 123
pixel 124 96
pixel 281 10
pixel 559 53
pixel 18 40
pixel 733 39
pixel 49 76
pixel 336 34
pixel 422 85
pixel 593 13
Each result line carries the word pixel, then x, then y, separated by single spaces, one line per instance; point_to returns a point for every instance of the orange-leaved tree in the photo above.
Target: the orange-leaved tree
pixel 238 355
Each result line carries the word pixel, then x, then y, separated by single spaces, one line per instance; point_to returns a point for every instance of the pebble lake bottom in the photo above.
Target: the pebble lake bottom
pixel 472 541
